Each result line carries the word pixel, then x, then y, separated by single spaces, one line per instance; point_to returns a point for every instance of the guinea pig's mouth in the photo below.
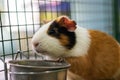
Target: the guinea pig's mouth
pixel 39 51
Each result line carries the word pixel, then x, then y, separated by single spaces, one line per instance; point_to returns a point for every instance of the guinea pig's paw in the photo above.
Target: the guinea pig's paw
pixel 60 60
pixel 72 76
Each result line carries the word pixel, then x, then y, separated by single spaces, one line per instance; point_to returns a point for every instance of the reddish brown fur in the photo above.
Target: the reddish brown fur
pixel 66 22
pixel 102 60
pixel 64 40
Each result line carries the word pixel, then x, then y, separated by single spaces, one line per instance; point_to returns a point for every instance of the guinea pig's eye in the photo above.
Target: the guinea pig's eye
pixel 52 31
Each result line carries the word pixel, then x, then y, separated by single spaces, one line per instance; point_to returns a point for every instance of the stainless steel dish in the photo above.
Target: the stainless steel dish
pixel 38 70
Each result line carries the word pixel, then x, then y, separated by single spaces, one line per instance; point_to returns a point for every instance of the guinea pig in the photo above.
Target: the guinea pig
pixel 93 55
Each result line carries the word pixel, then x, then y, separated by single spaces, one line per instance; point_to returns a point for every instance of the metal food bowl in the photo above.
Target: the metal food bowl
pixel 38 70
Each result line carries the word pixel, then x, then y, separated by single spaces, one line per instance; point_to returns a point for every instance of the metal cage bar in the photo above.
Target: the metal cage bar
pixel 116 19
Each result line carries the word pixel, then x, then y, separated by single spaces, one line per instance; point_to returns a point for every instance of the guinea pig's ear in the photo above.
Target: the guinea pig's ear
pixel 68 23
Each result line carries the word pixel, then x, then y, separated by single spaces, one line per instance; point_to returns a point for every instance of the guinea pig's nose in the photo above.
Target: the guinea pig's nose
pixel 35 44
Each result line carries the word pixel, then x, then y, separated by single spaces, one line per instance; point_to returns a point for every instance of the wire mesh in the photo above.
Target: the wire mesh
pixel 20 19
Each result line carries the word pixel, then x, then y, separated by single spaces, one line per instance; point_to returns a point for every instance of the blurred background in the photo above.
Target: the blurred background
pixel 20 19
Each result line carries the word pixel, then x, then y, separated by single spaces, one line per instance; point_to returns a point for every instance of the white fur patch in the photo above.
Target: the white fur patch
pixel 72 76
pixel 82 43
pixel 47 43
pixel 53 46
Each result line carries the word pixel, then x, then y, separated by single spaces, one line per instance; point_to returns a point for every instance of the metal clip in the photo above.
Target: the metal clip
pixel 18 52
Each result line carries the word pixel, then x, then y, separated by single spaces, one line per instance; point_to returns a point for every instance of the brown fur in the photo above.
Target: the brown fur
pixel 60 20
pixel 101 61
pixel 64 40
pixel 66 22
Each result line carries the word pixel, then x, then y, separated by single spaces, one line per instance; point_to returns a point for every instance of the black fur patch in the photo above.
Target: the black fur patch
pixel 55 30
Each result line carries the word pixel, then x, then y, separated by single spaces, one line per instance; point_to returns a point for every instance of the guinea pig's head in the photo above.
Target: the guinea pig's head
pixel 55 38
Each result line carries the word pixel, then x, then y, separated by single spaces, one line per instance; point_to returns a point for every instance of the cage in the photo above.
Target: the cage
pixel 20 19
